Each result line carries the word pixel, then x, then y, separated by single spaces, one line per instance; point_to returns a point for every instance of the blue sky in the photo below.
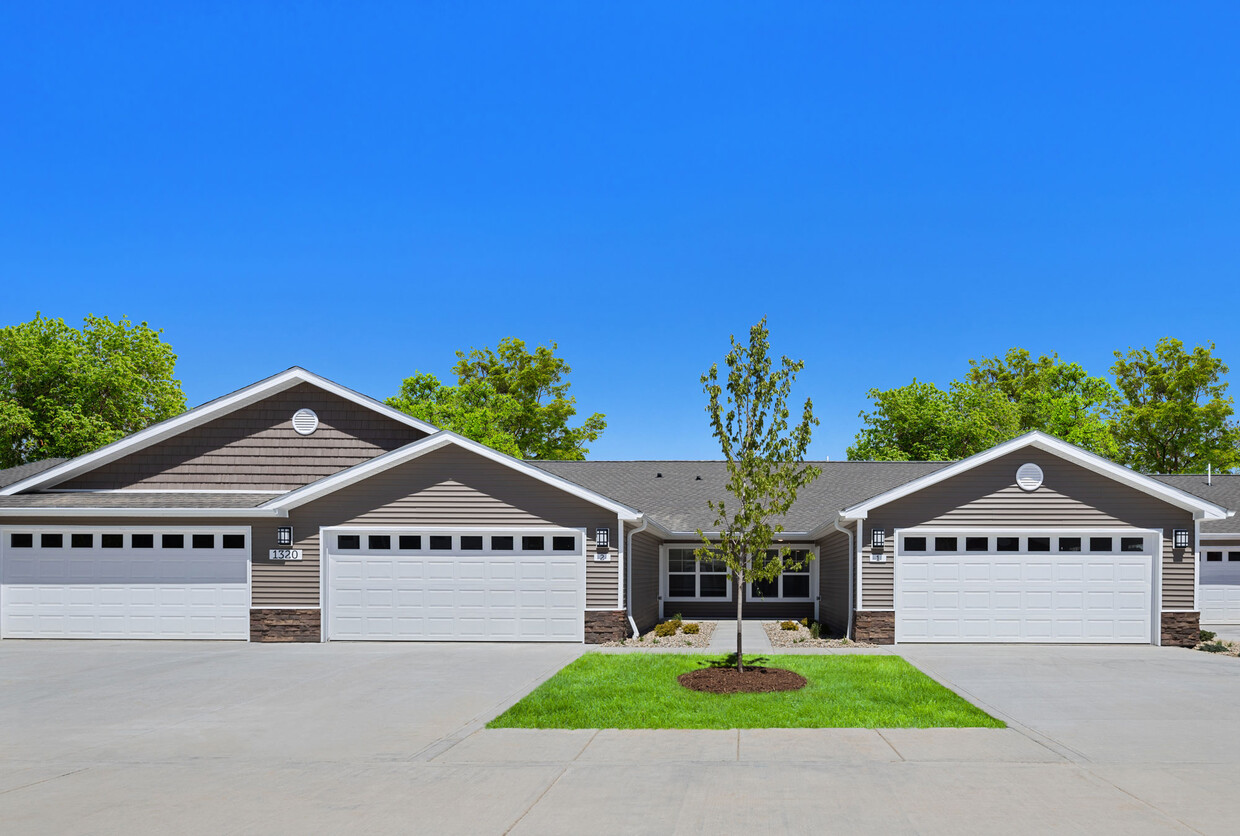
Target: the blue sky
pixel 363 188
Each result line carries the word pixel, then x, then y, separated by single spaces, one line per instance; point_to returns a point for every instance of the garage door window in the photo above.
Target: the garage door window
pixel 82 541
pixel 21 541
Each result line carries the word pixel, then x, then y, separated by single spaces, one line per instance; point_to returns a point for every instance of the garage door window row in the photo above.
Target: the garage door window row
pixel 113 540
pixel 1217 557
pixel 430 543
pixel 952 544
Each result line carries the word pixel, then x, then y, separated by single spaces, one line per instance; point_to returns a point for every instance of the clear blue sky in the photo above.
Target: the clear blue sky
pixel 362 188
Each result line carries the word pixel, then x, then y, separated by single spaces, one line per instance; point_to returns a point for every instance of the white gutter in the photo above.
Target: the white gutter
pixel 628 596
pixel 848 628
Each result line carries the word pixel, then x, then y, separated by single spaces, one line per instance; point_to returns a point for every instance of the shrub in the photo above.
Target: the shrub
pixel 815 630
pixel 667 628
pixel 1207 636
pixel 805 622
pixel 1214 647
pixel 677 618
pixel 690 629
pixel 787 625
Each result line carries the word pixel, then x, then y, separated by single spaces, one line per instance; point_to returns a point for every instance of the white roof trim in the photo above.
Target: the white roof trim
pixel 443 438
pixel 200 415
pixel 132 513
pixel 1201 508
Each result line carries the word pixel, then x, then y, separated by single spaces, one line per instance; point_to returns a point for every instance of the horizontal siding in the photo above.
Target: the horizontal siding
pixel 833 562
pixel 795 610
pixel 255 447
pixel 1071 496
pixel 645 591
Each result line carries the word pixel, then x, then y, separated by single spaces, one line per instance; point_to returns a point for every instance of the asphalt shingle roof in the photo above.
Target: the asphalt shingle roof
pixel 138 500
pixel 12 475
pixel 1224 489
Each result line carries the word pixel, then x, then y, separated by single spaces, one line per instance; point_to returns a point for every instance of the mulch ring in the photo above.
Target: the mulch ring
pixel 752 680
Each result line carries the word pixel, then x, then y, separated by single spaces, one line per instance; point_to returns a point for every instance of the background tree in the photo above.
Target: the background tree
pixel 1176 416
pixel 65 392
pixel 765 463
pixel 511 399
pixel 921 422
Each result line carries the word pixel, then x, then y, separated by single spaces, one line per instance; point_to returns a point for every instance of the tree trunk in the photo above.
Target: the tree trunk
pixel 740 598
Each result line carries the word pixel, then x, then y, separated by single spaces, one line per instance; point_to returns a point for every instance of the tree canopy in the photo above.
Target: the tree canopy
pixel 509 398
pixel 65 391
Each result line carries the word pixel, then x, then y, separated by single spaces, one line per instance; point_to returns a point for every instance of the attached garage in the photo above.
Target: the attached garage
pixel 124 583
pixel 1004 586
pixel 1220 585
pixel 426 584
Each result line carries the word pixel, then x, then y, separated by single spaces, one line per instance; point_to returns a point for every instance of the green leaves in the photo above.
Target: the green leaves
pixel 65 392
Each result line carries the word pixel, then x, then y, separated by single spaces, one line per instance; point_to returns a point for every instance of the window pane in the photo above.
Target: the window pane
pixel 564 544
pixel 21 541
pixel 680 586
pixel 714 586
pixel 944 544
pixel 1099 544
pixel 1069 544
pixel 796 586
pixel 1233 556
pixel 766 589
pixel 441 542
pixel 379 542
pixel 532 544
pixel 1039 544
pixel 348 541
pixel 203 541
pixel 112 541
pixel 471 543
pixel 1132 544
pixel 236 541
pixel 1214 557
pixel 172 541
pixel 680 560
pixel 914 544
pixel 501 544
pixel 51 541
pixel 82 541
pixel 714 565
pixel 410 541
pixel 976 544
pixel 142 541
pixel 1007 544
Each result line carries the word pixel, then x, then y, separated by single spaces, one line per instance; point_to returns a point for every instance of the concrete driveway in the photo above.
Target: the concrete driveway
pixel 103 737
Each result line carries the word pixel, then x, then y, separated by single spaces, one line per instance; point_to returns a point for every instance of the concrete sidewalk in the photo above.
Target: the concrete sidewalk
pixel 723 640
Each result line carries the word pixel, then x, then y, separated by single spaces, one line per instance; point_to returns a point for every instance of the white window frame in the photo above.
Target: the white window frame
pixel 664 550
pixel 810 569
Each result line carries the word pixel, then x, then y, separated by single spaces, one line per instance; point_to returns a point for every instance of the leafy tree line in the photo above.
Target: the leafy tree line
pixel 1167 411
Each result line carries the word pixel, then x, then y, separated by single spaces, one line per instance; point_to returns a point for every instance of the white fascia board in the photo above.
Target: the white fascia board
pixel 429 444
pixel 1201 508
pixel 1218 535
pixel 142 512
pixel 200 415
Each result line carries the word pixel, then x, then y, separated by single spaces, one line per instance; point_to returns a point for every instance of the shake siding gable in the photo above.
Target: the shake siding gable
pixel 1071 496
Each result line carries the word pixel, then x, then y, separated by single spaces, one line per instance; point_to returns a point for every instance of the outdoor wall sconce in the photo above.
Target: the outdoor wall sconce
pixel 1181 538
pixel 602 538
pixel 284 535
pixel 877 537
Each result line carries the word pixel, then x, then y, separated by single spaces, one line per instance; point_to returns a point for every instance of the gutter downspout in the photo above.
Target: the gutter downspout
pixel 848 628
pixel 628 565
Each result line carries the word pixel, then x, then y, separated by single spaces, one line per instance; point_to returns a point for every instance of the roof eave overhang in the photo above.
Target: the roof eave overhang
pixel 218 513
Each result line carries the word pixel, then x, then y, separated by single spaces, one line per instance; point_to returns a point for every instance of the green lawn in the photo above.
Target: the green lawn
pixel 640 691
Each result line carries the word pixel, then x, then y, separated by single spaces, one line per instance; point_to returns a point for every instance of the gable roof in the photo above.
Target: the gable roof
pixel 1202 509
pixel 421 447
pixel 200 415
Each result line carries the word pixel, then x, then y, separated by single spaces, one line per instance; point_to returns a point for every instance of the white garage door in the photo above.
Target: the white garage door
pixel 1219 593
pixel 1074 587
pixel 112 583
pixel 411 585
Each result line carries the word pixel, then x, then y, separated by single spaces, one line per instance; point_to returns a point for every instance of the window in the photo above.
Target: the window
pixel 1214 557
pixel 1039 544
pixel 532 544
pixel 379 542
pixel 112 541
pixel 82 541
pixel 688 577
pixel 564 544
pixel 172 541
pixel 411 541
pixel 51 541
pixel 348 542
pixel 203 541
pixel 792 583
pixel 142 541
pixel 471 543
pixel 441 542
pixel 1069 544
pixel 236 541
pixel 1233 557
pixel 976 544
pixel 21 541
pixel 914 544
pixel 501 544
pixel 1007 544
pixel 944 544
pixel 1132 544
pixel 1099 544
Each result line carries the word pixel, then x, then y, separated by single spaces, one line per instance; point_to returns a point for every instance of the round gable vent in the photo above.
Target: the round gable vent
pixel 305 421
pixel 1029 477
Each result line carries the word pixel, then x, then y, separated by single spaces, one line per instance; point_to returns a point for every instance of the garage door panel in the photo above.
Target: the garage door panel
pixel 1220 603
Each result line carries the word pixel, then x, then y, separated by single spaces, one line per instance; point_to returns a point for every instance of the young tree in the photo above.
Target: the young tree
pixel 509 398
pixel 65 392
pixel 765 464
pixel 1176 417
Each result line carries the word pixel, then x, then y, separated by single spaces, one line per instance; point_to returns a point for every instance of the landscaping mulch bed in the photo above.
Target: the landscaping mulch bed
pixel 752 680
pixel 1232 648
pixel 800 637
pixel 681 639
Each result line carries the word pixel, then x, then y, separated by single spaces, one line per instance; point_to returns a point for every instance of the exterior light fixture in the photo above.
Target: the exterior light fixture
pixel 877 537
pixel 1181 538
pixel 284 535
pixel 602 538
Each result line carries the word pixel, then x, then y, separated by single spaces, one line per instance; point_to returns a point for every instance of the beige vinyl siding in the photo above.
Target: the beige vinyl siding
pixel 645 590
pixel 256 448
pixel 445 488
pixel 1070 497
pixel 833 562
